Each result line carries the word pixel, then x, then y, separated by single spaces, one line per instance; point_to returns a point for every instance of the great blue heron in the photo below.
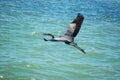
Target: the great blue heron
pixel 68 37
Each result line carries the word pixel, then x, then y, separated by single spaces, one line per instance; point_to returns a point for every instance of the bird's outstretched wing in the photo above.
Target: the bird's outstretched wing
pixel 75 26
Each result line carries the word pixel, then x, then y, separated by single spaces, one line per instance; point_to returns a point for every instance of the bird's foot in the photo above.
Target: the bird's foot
pixel 83 51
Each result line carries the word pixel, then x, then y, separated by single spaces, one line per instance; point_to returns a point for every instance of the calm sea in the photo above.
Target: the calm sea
pixel 25 56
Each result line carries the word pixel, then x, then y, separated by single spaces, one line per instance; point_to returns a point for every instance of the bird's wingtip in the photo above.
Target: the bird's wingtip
pixel 79 15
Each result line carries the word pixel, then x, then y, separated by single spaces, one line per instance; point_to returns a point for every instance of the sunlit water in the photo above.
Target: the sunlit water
pixel 25 56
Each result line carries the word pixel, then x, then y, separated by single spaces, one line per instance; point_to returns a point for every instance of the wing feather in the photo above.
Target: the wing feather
pixel 75 26
pixel 71 29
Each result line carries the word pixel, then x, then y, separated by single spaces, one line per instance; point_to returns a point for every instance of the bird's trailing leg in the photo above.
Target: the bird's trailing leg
pixel 47 34
pixel 76 46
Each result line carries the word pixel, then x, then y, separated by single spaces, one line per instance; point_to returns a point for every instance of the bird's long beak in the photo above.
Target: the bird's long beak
pixel 47 34
pixel 45 39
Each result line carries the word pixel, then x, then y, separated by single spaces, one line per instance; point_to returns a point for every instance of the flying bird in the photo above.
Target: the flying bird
pixel 71 33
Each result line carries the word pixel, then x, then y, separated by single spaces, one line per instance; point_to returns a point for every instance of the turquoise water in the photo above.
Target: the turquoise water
pixel 25 56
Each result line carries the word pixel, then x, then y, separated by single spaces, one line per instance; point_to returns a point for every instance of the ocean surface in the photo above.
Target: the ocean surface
pixel 24 55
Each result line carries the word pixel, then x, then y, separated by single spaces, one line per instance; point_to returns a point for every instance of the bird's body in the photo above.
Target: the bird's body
pixel 71 33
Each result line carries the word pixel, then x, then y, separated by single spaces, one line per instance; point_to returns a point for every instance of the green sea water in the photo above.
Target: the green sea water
pixel 24 55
